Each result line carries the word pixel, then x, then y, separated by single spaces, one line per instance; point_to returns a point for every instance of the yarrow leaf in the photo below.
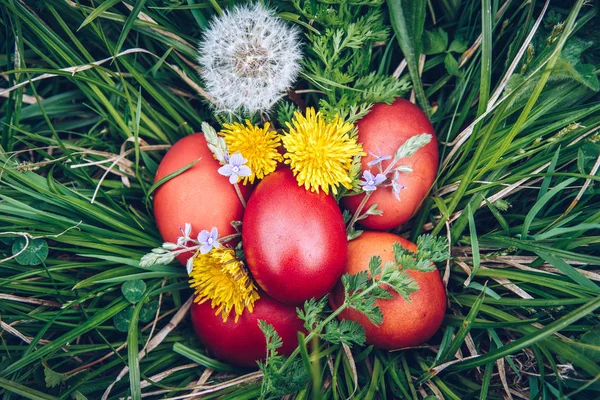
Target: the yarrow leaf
pixel 341 53
pixel 346 332
pixel 375 265
pixel 278 383
pixel 53 378
pixel 433 248
pixel 366 305
pixel 430 250
pixel 361 292
pixel 400 282
pixel 355 282
pixel 310 314
pixel 273 339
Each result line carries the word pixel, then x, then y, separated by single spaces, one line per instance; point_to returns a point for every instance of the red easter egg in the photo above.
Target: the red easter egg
pixel 405 324
pixel 382 132
pixel 294 239
pixel 242 343
pixel 200 195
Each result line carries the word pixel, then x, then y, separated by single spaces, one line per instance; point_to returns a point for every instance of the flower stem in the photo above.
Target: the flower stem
pixel 228 238
pixel 359 210
pixel 324 323
pixel 184 249
pixel 239 193
pixel 368 195
pixel 335 313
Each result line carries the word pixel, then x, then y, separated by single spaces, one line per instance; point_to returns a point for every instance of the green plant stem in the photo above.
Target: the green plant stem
pixel 324 323
pixel 239 193
pixel 365 199
pixel 312 334
pixel 359 210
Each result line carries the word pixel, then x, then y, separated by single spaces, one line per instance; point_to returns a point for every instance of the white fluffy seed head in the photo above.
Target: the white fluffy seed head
pixel 249 57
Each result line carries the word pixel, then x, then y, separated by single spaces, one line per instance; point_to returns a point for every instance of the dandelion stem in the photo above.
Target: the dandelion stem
pixel 239 193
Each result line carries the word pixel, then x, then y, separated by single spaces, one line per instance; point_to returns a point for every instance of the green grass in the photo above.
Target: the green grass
pixel 517 194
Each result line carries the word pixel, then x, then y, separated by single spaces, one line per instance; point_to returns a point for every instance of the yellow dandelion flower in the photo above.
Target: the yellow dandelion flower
pixel 320 153
pixel 257 145
pixel 220 277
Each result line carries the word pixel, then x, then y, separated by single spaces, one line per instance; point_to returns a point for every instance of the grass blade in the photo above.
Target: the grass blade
pixel 408 18
pixel 531 339
pixel 570 271
pixel 137 8
pixel 57 343
pixel 97 11
pixel 541 203
pixel 24 391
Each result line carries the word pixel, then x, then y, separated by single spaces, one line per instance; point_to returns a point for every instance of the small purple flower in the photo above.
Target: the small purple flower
pixel 208 240
pixel 185 234
pixel 235 168
pixel 370 181
pixel 378 159
pixel 396 187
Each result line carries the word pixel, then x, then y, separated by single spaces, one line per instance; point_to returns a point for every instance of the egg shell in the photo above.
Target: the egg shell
pixel 382 131
pixel 242 343
pixel 200 195
pixel 405 324
pixel 294 239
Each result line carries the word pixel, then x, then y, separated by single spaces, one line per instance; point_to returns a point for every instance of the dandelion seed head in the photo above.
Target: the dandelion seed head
pixel 249 57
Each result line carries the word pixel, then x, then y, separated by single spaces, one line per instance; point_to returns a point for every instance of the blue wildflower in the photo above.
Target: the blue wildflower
pixel 235 168
pixel 396 187
pixel 371 181
pixel 378 159
pixel 185 234
pixel 208 240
